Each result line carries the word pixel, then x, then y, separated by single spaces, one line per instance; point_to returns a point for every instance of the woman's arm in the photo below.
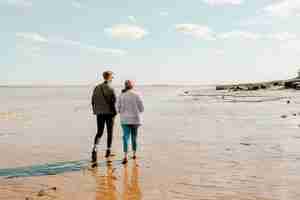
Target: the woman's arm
pixel 118 104
pixel 140 104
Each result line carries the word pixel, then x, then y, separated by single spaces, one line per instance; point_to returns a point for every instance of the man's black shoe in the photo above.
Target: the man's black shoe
pixel 107 154
pixel 94 165
pixel 94 156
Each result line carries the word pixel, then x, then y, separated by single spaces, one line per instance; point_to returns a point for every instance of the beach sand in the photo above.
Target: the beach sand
pixel 191 147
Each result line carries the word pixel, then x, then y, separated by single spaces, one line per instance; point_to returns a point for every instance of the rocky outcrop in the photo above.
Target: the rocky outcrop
pixel 250 86
pixel 294 83
pixel 288 84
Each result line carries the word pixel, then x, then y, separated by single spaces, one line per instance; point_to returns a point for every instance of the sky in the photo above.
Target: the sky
pixel 151 42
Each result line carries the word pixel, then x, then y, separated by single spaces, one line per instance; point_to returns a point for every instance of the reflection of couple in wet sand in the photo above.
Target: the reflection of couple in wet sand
pixel 106 106
pixel 106 188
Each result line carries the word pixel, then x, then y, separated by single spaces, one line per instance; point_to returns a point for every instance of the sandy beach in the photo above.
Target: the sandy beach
pixel 198 146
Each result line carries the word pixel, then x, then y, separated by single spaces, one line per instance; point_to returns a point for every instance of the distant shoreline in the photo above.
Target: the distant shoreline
pixel 41 86
pixel 91 85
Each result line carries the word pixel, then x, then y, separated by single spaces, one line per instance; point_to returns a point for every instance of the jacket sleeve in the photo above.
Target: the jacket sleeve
pixel 114 97
pixel 140 104
pixel 93 97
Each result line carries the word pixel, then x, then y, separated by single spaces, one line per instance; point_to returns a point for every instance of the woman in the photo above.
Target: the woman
pixel 130 106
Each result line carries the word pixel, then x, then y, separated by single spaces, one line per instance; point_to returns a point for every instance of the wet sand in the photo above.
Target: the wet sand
pixel 192 147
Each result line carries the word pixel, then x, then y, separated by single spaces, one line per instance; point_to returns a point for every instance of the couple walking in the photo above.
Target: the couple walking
pixel 106 105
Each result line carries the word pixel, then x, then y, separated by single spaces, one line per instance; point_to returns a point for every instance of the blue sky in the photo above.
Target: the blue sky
pixel 170 41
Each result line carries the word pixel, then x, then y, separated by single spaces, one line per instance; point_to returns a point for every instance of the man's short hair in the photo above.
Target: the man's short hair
pixel 107 74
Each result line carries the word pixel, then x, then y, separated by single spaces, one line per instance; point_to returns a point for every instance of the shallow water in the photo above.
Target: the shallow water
pixel 204 145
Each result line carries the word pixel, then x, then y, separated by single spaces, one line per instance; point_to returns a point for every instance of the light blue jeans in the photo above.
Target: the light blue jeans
pixel 130 130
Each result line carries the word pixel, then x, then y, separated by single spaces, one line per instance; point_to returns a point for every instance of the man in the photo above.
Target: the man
pixel 103 103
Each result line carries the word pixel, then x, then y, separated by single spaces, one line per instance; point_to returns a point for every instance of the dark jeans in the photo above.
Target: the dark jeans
pixel 103 119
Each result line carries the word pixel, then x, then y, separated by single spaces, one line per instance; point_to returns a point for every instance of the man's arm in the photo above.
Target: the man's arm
pixel 113 101
pixel 93 97
pixel 114 97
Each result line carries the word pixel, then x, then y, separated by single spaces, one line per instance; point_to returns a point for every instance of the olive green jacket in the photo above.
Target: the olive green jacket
pixel 104 99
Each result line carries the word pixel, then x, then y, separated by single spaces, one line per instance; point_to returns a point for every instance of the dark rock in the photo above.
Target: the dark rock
pixel 283 116
pixel 263 87
pixel 54 188
pixel 245 144
pixel 238 88
pixel 288 101
pixel 289 84
pixel 292 84
pixel 220 88
pixel 41 193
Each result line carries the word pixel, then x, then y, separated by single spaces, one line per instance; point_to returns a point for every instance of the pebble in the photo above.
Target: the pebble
pixel 246 144
pixel 54 188
pixel 41 193
pixel 283 116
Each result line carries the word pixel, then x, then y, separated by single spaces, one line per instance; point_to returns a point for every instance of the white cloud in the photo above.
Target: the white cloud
pixel 29 50
pixel 223 2
pixel 90 47
pixel 206 33
pixel 239 35
pixel 36 37
pixel 281 36
pixel 284 36
pixel 291 46
pixel 132 18
pixel 76 4
pixel 284 8
pixel 259 19
pixel 20 3
pixel 126 31
pixel 196 30
pixel 219 52
pixel 163 13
